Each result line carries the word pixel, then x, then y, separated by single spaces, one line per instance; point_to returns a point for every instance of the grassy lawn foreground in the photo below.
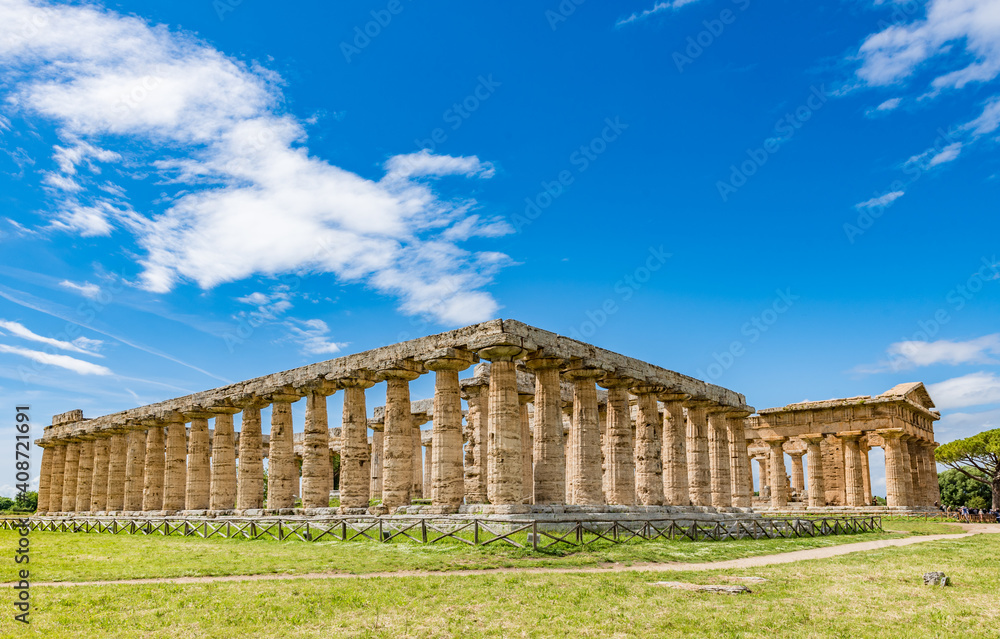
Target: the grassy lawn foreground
pixel 871 594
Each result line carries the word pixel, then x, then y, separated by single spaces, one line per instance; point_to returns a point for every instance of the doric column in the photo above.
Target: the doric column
pixel 907 470
pixel 428 466
pixel 223 482
pixel 619 455
pixel 549 451
pixel 896 469
pixel 779 488
pixel 817 493
pixel 175 465
pixel 586 479
pixel 85 473
pixel 316 471
pixel 197 487
pixel 99 482
pixel 503 427
pixel 447 484
pixel 933 485
pixel 355 455
pixel 527 477
pixel 59 448
pixel 282 470
pixel 798 472
pixel 250 474
pixel 720 482
pixel 378 450
pixel 866 476
pixel 397 439
pixel 763 472
pixel 155 467
pixel 647 453
pixel 475 451
pixel 916 480
pixel 45 477
pixel 117 454
pixel 135 468
pixel 70 471
pixel 742 477
pixel 417 464
pixel 676 487
pixel 567 411
pixel 699 465
pixel 854 485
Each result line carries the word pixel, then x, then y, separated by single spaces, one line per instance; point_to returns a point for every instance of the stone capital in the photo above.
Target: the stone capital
pixel 696 403
pixel 850 435
pixel 893 433
pixel 196 412
pixel 670 396
pixel 582 372
pixel 539 360
pixel 287 393
pixel 490 342
pixel 449 359
pixel 502 353
pixel 614 380
pixel 249 400
pixel 525 398
pixel 407 369
pixel 357 379
pixel 775 442
pixel 813 438
pixel 320 386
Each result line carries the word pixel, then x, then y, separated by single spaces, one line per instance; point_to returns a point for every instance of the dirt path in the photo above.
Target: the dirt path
pixel 746 562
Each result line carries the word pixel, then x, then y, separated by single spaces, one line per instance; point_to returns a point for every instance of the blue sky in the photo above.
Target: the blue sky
pixel 793 200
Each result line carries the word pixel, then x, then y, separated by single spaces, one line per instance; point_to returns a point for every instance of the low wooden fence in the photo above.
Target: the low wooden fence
pixel 538 535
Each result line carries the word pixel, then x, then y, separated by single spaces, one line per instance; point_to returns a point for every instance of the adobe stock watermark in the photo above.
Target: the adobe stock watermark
pixel 562 12
pixel 364 34
pixel 696 45
pixel 456 115
pixel 784 130
pixel 624 290
pixel 579 160
pixel 955 300
pixel 752 329
pixel 871 210
pixel 22 554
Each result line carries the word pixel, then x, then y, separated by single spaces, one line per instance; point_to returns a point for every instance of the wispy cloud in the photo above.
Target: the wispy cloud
pixel 881 200
pixel 62 361
pixel 80 345
pixel 88 290
pixel 911 354
pixel 659 7
pixel 249 198
pixel 974 389
pixel 314 337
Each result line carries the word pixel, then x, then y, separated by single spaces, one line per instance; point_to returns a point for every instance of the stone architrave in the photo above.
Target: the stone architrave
pixel 99 483
pixel 355 454
pixel 397 438
pixel 549 453
pixel 817 492
pixel 135 470
pixel 699 465
pixel 175 464
pixel 720 482
pixel 447 481
pixel 676 487
pixel 197 489
pixel 853 479
pixel 585 438
pixel 316 472
pixel 117 453
pixel 155 467
pixel 282 469
pixel 503 426
pixel 85 474
pixel 70 473
pixel 742 476
pixel 475 451
pixel 648 454
pixel 779 484
pixel 223 483
pixel 619 456
pixel 250 474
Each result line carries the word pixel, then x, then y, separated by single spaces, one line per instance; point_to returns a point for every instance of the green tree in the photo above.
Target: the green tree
pixel 27 501
pixel 958 490
pixel 976 457
pixel 6 503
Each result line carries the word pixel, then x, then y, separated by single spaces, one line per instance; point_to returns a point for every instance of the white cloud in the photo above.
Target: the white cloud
pixel 911 354
pixel 88 290
pixel 974 389
pixel 250 198
pixel 313 336
pixel 79 345
pixel 889 105
pixel 659 7
pixel 62 361
pixel 961 425
pixel 881 200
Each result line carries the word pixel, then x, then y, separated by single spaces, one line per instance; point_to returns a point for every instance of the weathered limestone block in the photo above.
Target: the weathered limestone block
pixel 503 425
pixel 720 483
pixel 895 471
pixel 585 438
pixel 817 490
pixel 197 488
pixel 549 452
pixel 45 478
pixel 397 438
pixel 175 473
pixel 742 478
pixel 446 473
pixel 58 474
pixel 619 458
pixel 475 451
pixel 918 481
pixel 250 473
pixel 85 475
pixel 153 475
pixel 649 481
pixel 779 482
pixel 282 470
pixel 135 470
pixel 70 475
pixel 99 482
pixel 355 455
pixel 117 453
pixel 906 470
pixel 316 472
pixel 676 491
pixel 798 473
pixel 833 471
pixel 699 464
pixel 854 481
pixel 223 483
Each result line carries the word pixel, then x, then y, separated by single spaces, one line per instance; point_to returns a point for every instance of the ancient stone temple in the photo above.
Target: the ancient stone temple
pixel 835 437
pixel 548 423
